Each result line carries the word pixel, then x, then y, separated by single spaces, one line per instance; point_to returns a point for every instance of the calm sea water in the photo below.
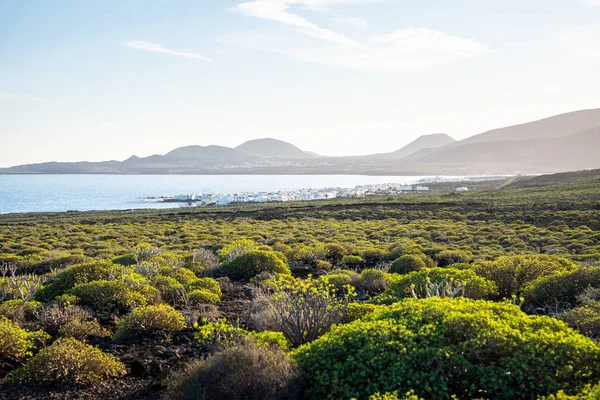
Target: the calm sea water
pixel 46 193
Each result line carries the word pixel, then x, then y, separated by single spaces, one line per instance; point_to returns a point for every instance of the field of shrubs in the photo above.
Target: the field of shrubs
pixel 492 294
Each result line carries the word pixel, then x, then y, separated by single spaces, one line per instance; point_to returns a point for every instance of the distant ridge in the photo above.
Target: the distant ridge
pixel 269 147
pixel 422 143
pixel 565 142
pixel 547 128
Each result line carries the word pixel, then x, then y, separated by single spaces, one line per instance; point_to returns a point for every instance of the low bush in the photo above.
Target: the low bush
pixel 254 262
pixel 142 320
pixel 449 257
pixel 18 310
pixel 69 360
pixel 202 296
pixel 70 321
pixel 183 275
pixel 340 279
pixel 352 262
pixel 448 347
pixel 513 274
pixel 303 311
pixel 557 292
pixel 357 311
pixel 210 284
pixel 80 273
pixel 475 287
pixel 118 295
pixel 16 342
pixel 251 372
pixel 372 257
pixel 170 289
pixel 407 263
pixel 237 248
pixel 585 319
pixel 371 281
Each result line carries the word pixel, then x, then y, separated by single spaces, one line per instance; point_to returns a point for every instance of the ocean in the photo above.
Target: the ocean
pixel 53 193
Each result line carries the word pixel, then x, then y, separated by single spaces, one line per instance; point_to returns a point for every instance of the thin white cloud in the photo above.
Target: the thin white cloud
pixel 594 2
pixel 410 48
pixel 158 48
pixel 277 10
pixel 583 41
pixel 405 49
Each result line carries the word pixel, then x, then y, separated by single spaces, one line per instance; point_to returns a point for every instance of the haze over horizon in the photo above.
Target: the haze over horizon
pixel 106 81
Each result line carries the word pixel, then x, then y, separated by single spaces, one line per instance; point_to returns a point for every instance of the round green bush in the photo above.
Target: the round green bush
pixel 203 296
pixel 116 295
pixel 449 257
pixel 475 287
pixel 352 262
pixel 69 360
pixel 448 347
pixel 561 290
pixel 585 319
pixel 513 274
pixel 16 342
pixel 141 320
pixel 254 262
pixel 77 274
pixel 407 263
pixel 339 279
pixel 170 289
pixel 210 284
pixel 251 372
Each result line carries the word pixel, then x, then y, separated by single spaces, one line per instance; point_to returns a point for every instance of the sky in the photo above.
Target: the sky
pixel 101 80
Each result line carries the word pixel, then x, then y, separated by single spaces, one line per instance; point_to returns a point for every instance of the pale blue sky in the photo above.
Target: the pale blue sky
pixel 97 80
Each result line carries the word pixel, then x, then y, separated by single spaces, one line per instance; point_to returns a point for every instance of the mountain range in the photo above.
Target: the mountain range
pixel 560 143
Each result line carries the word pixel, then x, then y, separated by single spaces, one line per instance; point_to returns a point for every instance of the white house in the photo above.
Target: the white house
pixel 404 188
pixel 422 188
pixel 462 189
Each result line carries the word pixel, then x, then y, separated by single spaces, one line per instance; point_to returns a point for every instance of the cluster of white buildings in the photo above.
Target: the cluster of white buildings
pixel 205 199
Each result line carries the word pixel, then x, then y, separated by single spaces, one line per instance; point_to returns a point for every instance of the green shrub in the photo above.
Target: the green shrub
pixel 251 372
pixel 449 257
pixel 513 274
pixel 340 279
pixel 203 296
pixel 584 319
pixel 323 265
pixel 445 347
pixel 69 360
pixel 118 295
pixel 397 250
pixel 371 281
pixel 236 249
pixel 18 310
pixel 78 274
pixel 352 262
pixel 16 342
pixel 475 287
pixel 270 338
pixel 141 320
pixel 70 321
pixel 357 311
pixel 407 263
pixel 210 284
pixel 560 291
pixel 170 289
pixel 334 252
pixel 182 275
pixel 253 263
pixel 372 257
